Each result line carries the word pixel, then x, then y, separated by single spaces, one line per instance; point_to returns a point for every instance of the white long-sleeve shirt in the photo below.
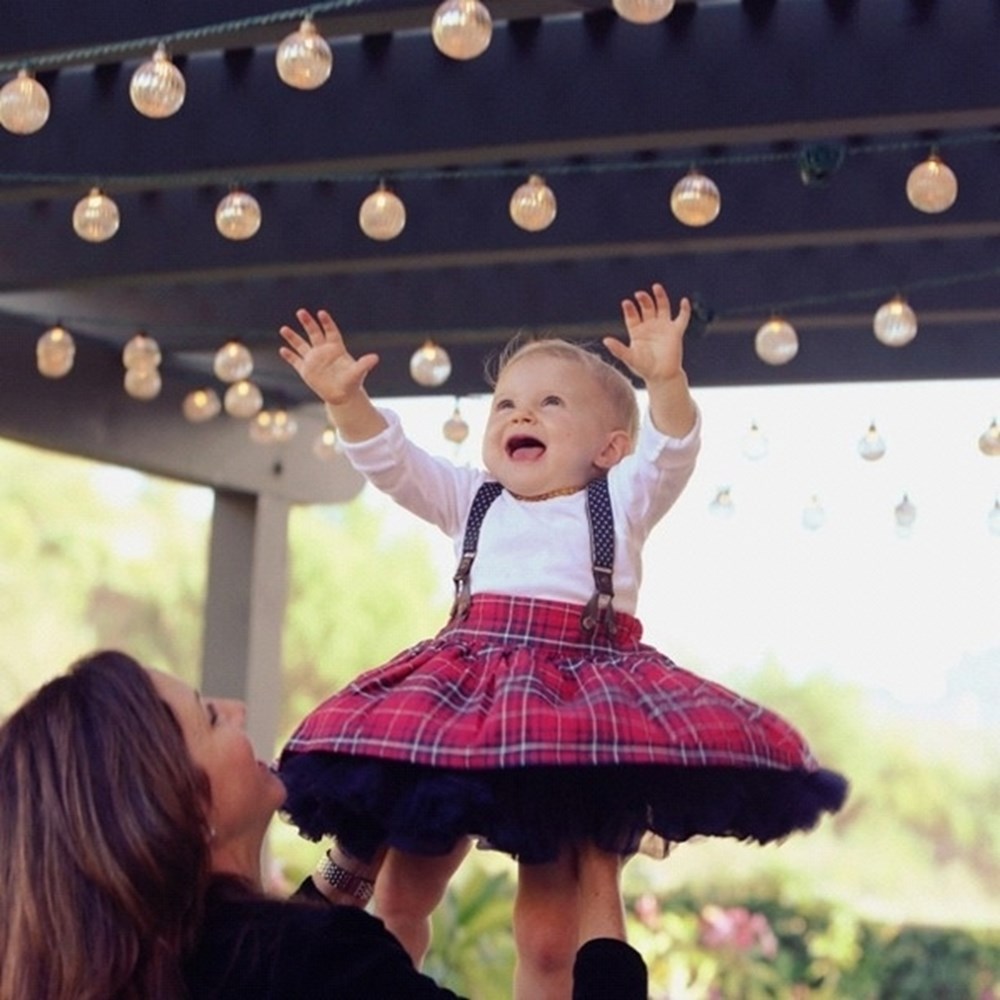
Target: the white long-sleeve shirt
pixel 529 548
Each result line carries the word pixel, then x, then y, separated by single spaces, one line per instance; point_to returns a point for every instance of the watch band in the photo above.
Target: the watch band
pixel 345 881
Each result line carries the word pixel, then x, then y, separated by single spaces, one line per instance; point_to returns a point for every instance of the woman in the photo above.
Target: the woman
pixel 132 816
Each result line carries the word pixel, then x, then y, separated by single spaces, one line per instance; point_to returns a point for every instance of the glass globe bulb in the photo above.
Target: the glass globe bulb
pixel 932 186
pixel 643 11
pixel 304 60
pixel 722 504
pixel 24 104
pixel 141 353
pixel 143 383
pixel 993 518
pixel 430 365
pixel 813 515
pixel 55 352
pixel 462 29
pixel 455 429
pixel 989 440
pixel 261 428
pixel 905 513
pixel 237 216
pixel 201 405
pixel 695 200
pixel 243 399
pixel 325 447
pixel 96 217
pixel 895 323
pixel 776 342
pixel 871 447
pixel 233 362
pixel 382 215
pixel 755 444
pixel 283 426
pixel 157 87
pixel 533 205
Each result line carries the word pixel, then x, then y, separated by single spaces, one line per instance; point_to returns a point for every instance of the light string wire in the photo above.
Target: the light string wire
pixel 108 51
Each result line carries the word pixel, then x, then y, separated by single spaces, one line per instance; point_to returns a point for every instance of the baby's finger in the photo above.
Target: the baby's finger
pixel 294 341
pixel 311 326
pixel 646 304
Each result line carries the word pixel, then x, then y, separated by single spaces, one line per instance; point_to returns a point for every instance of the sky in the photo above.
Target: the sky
pixel 856 598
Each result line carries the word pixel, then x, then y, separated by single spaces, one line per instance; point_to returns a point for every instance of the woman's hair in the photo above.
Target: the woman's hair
pixel 618 390
pixel 104 856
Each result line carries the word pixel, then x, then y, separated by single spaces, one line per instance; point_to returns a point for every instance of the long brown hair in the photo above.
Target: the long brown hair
pixel 104 855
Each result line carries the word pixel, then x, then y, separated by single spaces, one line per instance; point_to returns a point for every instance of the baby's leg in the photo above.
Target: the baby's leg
pixel 408 888
pixel 546 920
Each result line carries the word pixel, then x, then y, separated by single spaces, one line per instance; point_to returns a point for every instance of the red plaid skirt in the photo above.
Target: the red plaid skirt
pixel 513 702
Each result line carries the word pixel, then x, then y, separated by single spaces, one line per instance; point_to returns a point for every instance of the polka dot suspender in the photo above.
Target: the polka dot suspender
pixel 599 609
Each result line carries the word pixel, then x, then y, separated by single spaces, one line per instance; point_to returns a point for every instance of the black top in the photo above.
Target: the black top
pixel 254 948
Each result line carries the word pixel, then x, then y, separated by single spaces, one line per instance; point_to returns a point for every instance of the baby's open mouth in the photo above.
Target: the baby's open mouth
pixel 524 448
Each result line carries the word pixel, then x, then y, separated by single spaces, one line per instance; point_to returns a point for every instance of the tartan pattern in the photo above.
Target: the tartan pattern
pixel 516 684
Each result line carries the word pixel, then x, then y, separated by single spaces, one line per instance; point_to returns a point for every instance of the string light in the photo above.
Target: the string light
pixel 303 59
pixel 722 504
pixel 871 447
pixel 993 518
pixel 755 444
pixel 96 217
pixel 533 205
pixel 260 429
pixel 326 447
pixel 695 199
pixel 776 342
pixel 201 405
pixel 237 216
pixel 455 429
pixel 382 215
pixel 141 353
pixel 24 104
pixel 989 440
pixel 430 365
pixel 233 362
pixel 643 11
pixel 243 400
pixel 895 323
pixel 143 383
pixel 462 29
pixel 905 514
pixel 55 352
pixel 813 515
pixel 932 186
pixel 157 88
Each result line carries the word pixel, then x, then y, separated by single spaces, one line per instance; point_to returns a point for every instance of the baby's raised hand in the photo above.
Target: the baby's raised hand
pixel 322 359
pixel 655 349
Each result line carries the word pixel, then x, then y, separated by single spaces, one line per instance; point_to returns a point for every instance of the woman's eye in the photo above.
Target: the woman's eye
pixel 213 713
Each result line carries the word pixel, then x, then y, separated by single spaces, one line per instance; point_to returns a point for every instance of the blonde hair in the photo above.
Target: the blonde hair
pixel 617 389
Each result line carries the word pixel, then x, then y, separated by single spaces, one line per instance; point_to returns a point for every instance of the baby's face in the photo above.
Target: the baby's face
pixel 550 426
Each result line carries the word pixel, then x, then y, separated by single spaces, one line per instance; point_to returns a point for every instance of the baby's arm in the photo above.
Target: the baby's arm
pixel 325 365
pixel 655 352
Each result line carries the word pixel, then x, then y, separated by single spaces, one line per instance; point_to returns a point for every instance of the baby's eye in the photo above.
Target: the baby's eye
pixel 552 401
pixel 213 713
pixel 503 404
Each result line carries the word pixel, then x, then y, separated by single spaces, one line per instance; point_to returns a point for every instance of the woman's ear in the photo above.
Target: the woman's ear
pixel 617 446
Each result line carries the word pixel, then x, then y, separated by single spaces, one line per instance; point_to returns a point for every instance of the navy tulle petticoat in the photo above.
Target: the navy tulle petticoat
pixel 513 727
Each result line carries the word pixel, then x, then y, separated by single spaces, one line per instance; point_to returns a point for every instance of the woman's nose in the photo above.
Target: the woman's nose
pixel 235 710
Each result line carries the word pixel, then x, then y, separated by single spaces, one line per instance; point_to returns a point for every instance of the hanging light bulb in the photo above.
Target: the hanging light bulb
pixel 141 353
pixel 325 447
pixel 755 444
pixel 261 427
pixel 24 104
pixel 283 426
pixel 813 515
pixel 382 215
pixel 430 365
pixel 643 11
pixel 533 205
pixel 455 429
pixel 871 447
pixel 55 352
pixel 243 399
pixel 993 518
pixel 895 323
pixel 304 60
pixel 462 29
pixel 201 405
pixel 932 186
pixel 95 217
pixel 157 88
pixel 233 362
pixel 989 440
pixel 722 504
pixel 143 383
pixel 906 515
pixel 695 200
pixel 237 216
pixel 776 342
